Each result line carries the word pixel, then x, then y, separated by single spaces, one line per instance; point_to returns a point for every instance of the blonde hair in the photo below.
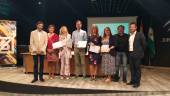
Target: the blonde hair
pixel 94 27
pixel 63 28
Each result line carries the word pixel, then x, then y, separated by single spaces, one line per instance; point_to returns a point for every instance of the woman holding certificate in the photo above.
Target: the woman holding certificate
pixel 52 55
pixel 108 54
pixel 65 52
pixel 94 42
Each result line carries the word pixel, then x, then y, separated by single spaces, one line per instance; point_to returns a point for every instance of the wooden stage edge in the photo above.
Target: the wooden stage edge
pixel 153 79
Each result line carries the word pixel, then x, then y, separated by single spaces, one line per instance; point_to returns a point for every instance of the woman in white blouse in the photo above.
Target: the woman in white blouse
pixel 65 52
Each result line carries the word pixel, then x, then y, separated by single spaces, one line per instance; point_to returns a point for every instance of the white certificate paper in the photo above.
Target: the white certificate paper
pixel 81 44
pixel 57 45
pixel 94 48
pixel 105 48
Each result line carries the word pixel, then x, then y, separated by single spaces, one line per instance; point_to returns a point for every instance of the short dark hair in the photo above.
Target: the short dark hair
pixel 79 21
pixel 52 25
pixel 39 22
pixel 133 23
pixel 121 26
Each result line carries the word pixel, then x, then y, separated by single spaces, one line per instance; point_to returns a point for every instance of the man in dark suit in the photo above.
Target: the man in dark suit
pixel 136 53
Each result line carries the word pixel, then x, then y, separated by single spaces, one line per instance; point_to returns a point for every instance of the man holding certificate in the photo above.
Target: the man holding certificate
pixel 79 38
pixel 94 42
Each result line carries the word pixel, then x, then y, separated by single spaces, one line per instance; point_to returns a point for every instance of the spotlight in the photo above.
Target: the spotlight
pixel 39 2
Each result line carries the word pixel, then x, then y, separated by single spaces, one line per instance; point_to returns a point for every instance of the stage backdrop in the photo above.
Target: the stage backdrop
pixel 111 22
pixel 7 42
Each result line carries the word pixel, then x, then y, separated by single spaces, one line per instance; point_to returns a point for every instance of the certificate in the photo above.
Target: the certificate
pixel 105 48
pixel 94 48
pixel 57 45
pixel 69 43
pixel 81 44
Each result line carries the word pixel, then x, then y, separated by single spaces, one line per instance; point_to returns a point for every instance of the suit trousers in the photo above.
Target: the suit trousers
pixel 135 68
pixel 41 67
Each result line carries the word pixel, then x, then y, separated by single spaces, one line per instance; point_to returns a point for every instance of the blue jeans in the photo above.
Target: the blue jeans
pixel 121 63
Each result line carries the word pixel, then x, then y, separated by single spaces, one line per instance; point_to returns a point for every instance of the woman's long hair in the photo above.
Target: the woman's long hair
pixel 94 27
pixel 62 28
pixel 104 35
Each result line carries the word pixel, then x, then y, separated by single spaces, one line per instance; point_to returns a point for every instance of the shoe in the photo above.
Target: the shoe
pixel 42 80
pixel 130 83
pixel 136 85
pixel 108 80
pixel 34 80
pixel 124 81
pixel 67 78
pixel 62 78
pixel 94 78
pixel 115 78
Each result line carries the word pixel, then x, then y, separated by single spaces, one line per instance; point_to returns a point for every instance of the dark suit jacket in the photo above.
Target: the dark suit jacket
pixel 139 45
pixel 112 42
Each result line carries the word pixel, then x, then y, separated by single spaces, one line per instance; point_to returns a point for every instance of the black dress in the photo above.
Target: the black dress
pixel 94 58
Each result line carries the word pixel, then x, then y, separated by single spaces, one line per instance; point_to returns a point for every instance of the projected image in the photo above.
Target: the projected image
pixel 111 22
pixel 112 26
pixel 7 42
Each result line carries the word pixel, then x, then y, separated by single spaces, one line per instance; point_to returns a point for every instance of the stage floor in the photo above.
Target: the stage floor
pixel 153 79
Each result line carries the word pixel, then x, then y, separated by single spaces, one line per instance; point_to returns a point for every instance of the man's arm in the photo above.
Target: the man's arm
pixel 85 36
pixel 32 47
pixel 73 38
pixel 45 43
pixel 143 41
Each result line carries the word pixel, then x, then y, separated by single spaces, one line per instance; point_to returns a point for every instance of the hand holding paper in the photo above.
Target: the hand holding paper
pixel 57 45
pixel 81 44
pixel 105 48
pixel 94 48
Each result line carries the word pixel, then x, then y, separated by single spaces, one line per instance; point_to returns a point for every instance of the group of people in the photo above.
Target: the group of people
pixel 121 47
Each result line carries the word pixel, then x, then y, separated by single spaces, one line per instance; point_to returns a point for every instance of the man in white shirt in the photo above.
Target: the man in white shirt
pixel 136 53
pixel 79 53
pixel 131 40
pixel 38 44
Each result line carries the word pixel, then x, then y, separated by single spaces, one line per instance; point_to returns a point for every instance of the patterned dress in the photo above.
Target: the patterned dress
pixel 108 61
pixel 52 55
pixel 94 58
pixel 65 55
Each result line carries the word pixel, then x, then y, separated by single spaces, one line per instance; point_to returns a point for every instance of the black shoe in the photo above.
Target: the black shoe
pixel 42 80
pixel 136 85
pixel 76 76
pixel 130 83
pixel 124 81
pixel 116 78
pixel 34 80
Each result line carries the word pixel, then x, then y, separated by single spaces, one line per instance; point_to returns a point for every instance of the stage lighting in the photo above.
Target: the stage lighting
pixel 39 2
